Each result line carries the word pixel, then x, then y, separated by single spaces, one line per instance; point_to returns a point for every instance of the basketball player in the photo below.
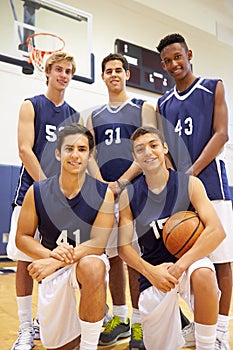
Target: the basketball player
pixel 150 201
pixel 71 209
pixel 112 126
pixel 39 119
pixel 195 125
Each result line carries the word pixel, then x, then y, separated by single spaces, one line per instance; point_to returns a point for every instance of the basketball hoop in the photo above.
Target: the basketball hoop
pixel 50 42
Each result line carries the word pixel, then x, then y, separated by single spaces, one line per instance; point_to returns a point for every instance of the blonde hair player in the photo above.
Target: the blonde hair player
pixel 39 120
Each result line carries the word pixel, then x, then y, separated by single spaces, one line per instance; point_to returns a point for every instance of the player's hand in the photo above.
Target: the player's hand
pixel 175 270
pixel 42 268
pixel 114 187
pixel 162 279
pixel 64 252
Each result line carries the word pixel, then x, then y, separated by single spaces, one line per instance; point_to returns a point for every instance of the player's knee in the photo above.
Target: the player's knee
pixel 91 271
pixel 203 279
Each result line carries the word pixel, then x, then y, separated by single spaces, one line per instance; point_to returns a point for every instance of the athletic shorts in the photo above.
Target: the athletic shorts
pixel 160 313
pixel 112 245
pixel 59 321
pixel 13 252
pixel 224 252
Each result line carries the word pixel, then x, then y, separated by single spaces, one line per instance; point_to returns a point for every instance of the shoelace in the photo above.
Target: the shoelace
pixel 113 323
pixel 24 337
pixel 137 331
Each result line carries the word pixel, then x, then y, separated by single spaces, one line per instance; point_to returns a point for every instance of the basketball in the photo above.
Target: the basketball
pixel 181 231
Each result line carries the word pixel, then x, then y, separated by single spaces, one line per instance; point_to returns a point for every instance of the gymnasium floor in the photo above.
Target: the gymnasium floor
pixel 9 318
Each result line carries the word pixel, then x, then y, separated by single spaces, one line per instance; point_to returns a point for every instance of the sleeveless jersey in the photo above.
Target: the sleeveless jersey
pixel 151 211
pixel 188 127
pixel 48 119
pixel 113 128
pixel 64 219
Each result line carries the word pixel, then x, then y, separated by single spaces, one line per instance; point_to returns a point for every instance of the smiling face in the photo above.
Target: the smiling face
pixel 74 154
pixel 149 152
pixel 176 61
pixel 115 76
pixel 60 74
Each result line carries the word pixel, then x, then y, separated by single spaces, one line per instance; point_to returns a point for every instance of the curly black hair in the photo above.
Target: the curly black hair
pixel 172 39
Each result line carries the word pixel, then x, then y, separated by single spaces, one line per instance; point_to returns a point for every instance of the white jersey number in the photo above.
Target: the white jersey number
pixel 187 129
pixel 50 133
pixel 113 136
pixel 63 237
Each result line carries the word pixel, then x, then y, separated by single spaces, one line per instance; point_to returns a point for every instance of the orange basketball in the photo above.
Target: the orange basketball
pixel 181 231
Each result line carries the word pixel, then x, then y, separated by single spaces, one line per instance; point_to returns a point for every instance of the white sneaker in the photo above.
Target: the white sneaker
pixel 222 341
pixel 188 333
pixel 25 340
pixel 36 327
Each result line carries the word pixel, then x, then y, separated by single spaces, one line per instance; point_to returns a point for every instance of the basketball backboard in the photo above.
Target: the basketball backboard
pixel 21 18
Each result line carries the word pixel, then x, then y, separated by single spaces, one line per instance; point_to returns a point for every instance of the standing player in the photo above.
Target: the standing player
pixel 71 209
pixel 195 121
pixel 148 203
pixel 112 126
pixel 39 120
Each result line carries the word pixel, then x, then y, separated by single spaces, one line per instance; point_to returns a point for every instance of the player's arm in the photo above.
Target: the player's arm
pixel 148 115
pixel 27 225
pixel 157 275
pixel 220 132
pixel 213 233
pixel 93 167
pixel 168 159
pixel 26 137
pixel 81 122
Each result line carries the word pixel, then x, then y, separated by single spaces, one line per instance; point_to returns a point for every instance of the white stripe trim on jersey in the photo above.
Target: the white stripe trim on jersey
pixel 217 160
pixel 19 185
pixel 117 109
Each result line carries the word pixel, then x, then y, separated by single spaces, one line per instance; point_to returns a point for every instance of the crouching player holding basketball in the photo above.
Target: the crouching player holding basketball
pixel 149 201
pixel 70 209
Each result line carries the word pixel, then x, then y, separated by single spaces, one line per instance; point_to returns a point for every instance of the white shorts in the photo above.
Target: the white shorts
pixel 160 313
pixel 224 252
pixel 112 245
pixel 59 321
pixel 13 252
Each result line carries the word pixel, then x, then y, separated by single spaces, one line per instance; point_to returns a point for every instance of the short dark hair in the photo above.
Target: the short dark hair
pixel 115 56
pixel 73 129
pixel 146 130
pixel 172 39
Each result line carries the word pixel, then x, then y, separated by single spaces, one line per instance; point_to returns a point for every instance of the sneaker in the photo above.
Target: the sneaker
pixel 136 340
pixel 25 340
pixel 114 330
pixel 222 341
pixel 188 333
pixel 36 327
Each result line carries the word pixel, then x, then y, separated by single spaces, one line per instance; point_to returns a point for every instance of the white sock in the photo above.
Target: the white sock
pixel 205 336
pixel 121 311
pixel 24 309
pixel 90 333
pixel 222 323
pixel 136 317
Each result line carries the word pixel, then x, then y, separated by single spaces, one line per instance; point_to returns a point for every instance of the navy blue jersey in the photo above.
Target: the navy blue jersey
pixel 151 211
pixel 61 218
pixel 188 127
pixel 48 119
pixel 113 128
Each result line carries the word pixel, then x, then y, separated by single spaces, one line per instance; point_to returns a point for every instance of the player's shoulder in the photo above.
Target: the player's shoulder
pixel 97 111
pixel 209 83
pixel 168 94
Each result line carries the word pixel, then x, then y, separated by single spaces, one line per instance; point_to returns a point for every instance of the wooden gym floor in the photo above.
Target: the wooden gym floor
pixel 9 317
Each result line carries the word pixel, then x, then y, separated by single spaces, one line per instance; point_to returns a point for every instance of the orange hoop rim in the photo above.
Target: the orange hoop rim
pixel 35 52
